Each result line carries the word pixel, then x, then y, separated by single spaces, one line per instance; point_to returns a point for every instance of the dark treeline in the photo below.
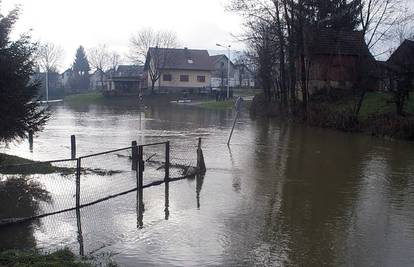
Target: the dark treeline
pixel 277 33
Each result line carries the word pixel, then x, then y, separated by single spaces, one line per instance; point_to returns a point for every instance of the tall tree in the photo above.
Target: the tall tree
pixel 101 59
pixel 140 45
pixel 80 80
pixel 19 111
pixel 332 14
pixel 49 57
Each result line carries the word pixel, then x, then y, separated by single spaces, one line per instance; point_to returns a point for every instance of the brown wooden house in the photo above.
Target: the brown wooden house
pixel 336 59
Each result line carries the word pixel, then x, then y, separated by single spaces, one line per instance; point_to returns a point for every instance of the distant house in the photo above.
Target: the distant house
pixel 125 80
pixel 244 77
pixel 98 80
pixel 401 64
pixel 55 85
pixel 179 69
pixel 336 59
pixel 219 74
pixel 65 78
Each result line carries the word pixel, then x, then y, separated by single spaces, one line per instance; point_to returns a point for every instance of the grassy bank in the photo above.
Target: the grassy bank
pixel 376 103
pixel 221 105
pixel 336 110
pixel 62 257
pixel 246 92
pixel 8 166
pixel 89 97
pixel 6 159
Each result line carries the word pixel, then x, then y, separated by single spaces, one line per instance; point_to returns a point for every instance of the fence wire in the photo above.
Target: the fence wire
pixel 105 175
pixel 40 189
pixel 36 188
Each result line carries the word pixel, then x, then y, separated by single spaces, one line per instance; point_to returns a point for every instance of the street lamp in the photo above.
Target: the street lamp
pixel 228 69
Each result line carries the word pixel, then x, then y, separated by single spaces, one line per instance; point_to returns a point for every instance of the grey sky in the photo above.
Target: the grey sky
pixel 198 23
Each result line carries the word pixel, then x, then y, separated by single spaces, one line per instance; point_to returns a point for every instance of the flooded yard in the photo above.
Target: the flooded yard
pixel 281 194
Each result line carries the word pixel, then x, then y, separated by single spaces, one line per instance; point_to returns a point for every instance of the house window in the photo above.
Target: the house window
pixel 201 79
pixel 167 77
pixel 184 78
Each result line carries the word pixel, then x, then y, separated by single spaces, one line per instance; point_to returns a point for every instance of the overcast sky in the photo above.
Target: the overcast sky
pixel 198 23
pixel 70 23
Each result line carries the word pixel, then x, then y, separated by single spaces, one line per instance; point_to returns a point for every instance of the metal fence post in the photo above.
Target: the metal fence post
pixel 31 141
pixel 200 158
pixel 134 166
pixel 73 146
pixel 78 176
pixel 140 166
pixel 167 161
pixel 140 191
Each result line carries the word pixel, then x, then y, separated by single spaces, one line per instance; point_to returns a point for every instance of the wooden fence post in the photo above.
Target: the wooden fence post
pixel 78 176
pixel 200 158
pixel 73 146
pixel 167 161
pixel 134 166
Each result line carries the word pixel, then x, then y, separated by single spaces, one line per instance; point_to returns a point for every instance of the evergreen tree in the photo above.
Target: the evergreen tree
pixel 80 80
pixel 19 111
pixel 337 15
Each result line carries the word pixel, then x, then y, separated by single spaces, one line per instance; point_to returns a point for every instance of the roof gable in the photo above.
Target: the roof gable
pixel 215 59
pixel 330 42
pixel 404 55
pixel 128 71
pixel 183 59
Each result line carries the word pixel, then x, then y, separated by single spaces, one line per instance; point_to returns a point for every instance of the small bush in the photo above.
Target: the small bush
pixel 59 258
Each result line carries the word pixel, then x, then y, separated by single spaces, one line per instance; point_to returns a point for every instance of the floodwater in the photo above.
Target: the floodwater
pixel 281 194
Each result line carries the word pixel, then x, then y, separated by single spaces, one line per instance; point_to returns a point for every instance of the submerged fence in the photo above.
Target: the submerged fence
pixel 39 189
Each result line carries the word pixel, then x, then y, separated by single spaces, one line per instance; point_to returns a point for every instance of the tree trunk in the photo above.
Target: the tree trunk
pixel 281 37
pixel 153 86
pixel 304 87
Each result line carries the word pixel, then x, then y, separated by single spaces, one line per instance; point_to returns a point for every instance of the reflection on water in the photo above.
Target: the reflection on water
pixel 282 194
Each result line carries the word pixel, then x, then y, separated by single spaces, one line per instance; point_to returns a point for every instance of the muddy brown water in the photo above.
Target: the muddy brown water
pixel 282 194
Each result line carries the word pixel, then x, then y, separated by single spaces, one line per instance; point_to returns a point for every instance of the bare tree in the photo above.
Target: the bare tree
pixel 380 20
pixel 114 60
pixel 403 31
pixel 48 57
pixel 150 47
pixel 102 59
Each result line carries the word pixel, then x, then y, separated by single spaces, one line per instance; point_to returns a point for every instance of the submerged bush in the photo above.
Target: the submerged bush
pixel 330 116
pixel 391 125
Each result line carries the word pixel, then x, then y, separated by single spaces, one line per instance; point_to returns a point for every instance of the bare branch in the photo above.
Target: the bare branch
pixel 49 56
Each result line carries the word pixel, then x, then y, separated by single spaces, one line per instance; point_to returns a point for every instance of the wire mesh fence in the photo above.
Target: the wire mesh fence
pixel 29 190
pixel 39 189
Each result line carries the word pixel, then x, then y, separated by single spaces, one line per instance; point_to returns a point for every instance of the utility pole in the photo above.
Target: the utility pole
pixel 228 69
pixel 47 85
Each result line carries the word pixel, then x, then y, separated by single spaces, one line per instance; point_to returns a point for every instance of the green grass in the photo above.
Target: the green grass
pixel 376 103
pixel 90 97
pixel 381 103
pixel 221 105
pixel 59 258
pixel 243 92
